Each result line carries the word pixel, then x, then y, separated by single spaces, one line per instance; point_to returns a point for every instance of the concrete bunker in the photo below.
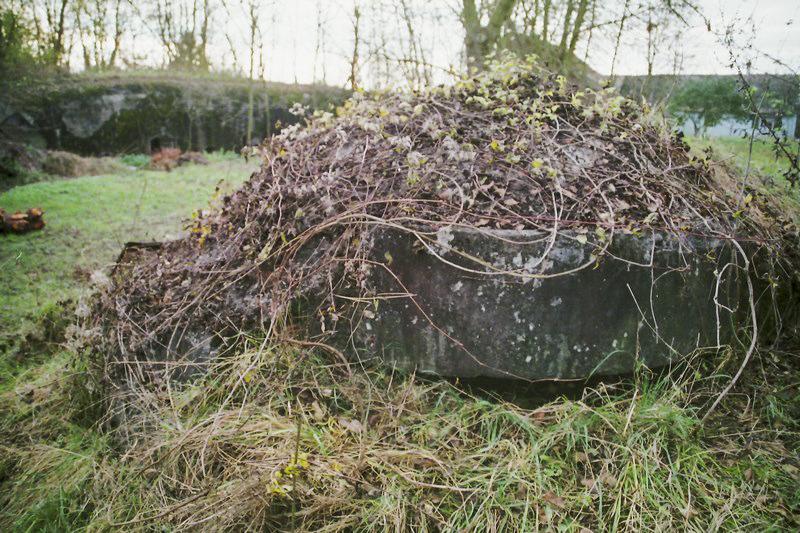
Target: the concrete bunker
pixel 516 304
pixel 507 226
pixel 533 306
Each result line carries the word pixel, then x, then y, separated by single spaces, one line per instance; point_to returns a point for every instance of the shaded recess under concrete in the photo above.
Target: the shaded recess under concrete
pixel 647 300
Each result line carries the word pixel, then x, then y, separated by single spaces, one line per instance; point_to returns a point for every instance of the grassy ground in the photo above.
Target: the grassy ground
pixel 765 163
pixel 763 167
pixel 283 437
pixel 88 221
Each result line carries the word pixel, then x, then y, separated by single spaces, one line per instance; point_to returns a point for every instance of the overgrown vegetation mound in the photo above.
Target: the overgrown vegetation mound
pixel 277 437
pixel 512 148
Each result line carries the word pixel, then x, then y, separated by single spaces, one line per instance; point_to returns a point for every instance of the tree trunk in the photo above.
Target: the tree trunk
pixel 576 28
pixel 253 28
pixel 480 40
pixel 651 42
pixel 619 36
pixel 320 38
pixel 353 80
pixel 117 36
pixel 546 18
pixel 59 48
pixel 695 124
pixel 473 30
pixel 591 31
pixel 263 77
pixel 204 35
pixel 562 46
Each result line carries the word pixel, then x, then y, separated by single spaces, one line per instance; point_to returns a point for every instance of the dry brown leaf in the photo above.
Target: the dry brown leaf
pixel 607 479
pixel 544 517
pixel 791 470
pixel 351 425
pixel 590 484
pixel 688 513
pixel 374 419
pixel 554 499
pixel 318 410
pixel 762 499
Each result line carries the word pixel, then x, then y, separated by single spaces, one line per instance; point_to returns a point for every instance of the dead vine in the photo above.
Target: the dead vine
pixel 515 148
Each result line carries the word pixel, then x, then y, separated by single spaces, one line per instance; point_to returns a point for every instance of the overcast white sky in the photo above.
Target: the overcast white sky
pixel 777 33
pixel 290 34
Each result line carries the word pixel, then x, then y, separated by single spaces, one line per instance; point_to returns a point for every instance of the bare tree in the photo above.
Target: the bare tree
pixel 319 49
pixel 418 71
pixel 566 25
pixel 353 79
pixel 396 42
pixel 256 43
pixel 590 32
pixel 480 39
pixel 621 28
pixel 49 18
pixel 378 46
pixel 577 25
pixel 551 29
pixel 231 37
pixel 100 25
pixel 182 29
pixel 548 4
pixel 662 22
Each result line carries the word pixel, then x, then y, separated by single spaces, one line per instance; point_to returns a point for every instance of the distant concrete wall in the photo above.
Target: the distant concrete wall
pixel 130 115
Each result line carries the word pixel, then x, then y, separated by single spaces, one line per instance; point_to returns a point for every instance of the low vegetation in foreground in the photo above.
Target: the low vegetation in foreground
pixel 759 163
pixel 286 436
pixel 89 219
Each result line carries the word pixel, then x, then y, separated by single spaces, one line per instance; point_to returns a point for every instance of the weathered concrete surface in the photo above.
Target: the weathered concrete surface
pixel 649 299
pixel 516 304
pixel 143 114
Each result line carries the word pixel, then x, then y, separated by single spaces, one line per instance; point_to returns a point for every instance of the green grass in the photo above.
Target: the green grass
pixel 89 219
pixel 764 161
pixel 49 452
pixel 279 437
pixel 766 168
pixel 50 457
pixel 135 160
